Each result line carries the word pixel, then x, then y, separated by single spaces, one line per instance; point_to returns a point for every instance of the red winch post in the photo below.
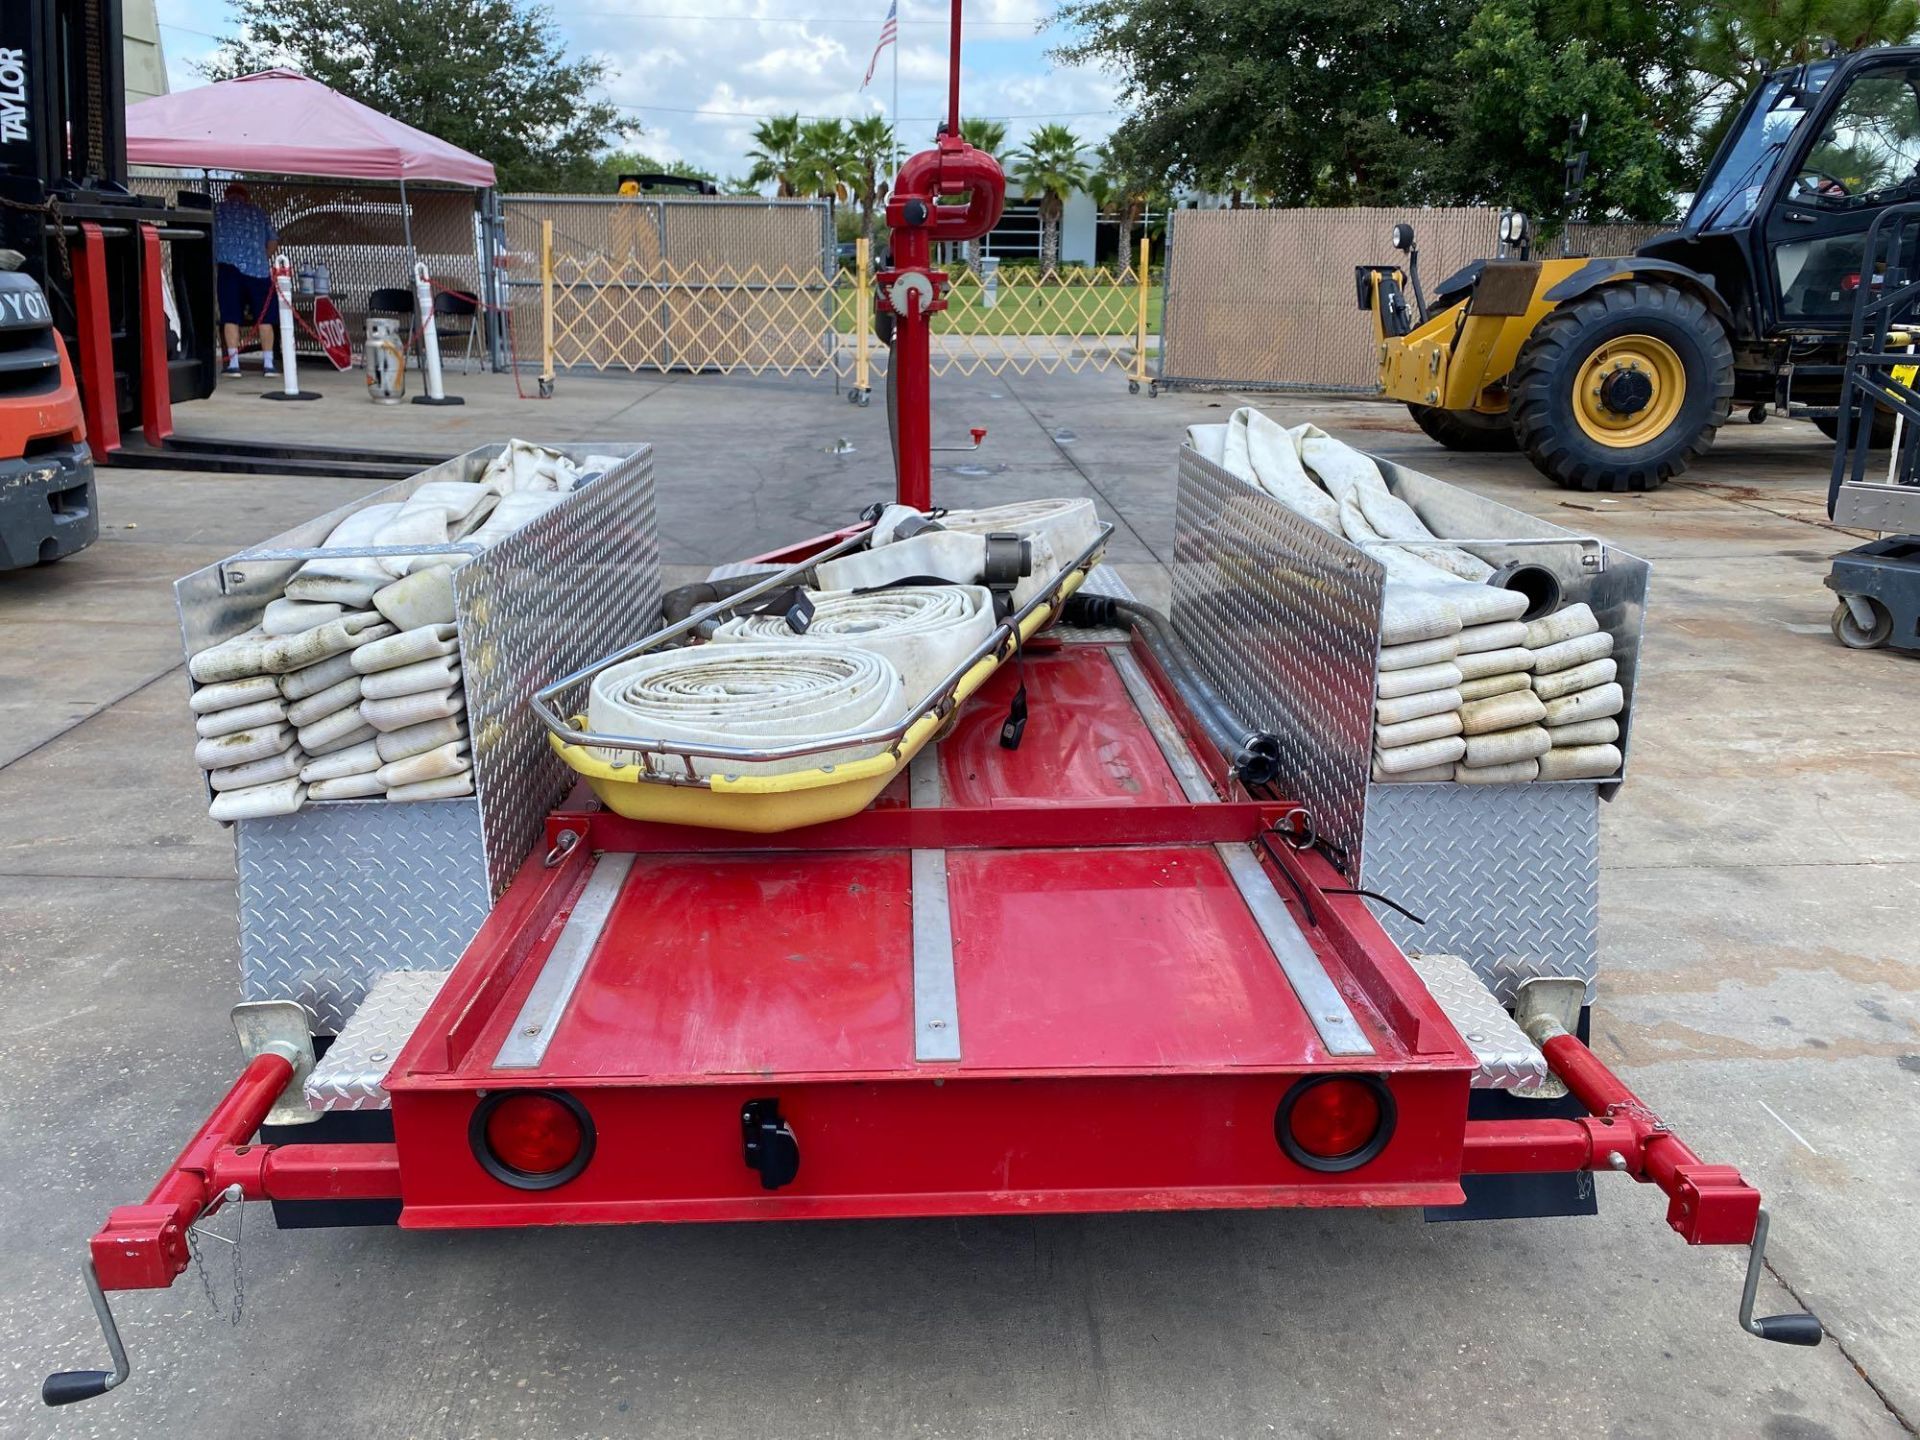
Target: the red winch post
pixel 912 291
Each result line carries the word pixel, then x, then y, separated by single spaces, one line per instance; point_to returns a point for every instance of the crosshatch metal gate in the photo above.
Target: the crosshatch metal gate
pixel 619 283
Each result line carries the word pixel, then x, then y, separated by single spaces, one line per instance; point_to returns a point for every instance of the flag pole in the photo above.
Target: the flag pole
pixel 896 113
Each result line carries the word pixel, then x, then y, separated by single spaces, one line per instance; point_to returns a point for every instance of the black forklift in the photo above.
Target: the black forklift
pixel 1615 373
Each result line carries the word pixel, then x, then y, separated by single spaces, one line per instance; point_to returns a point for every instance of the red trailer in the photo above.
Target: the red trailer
pixel 1126 963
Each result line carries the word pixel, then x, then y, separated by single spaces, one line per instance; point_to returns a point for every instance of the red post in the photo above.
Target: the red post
pixel 156 388
pixel 99 395
pixel 912 291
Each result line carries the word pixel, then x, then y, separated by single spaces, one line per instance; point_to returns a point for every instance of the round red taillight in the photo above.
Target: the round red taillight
pixel 1335 1122
pixel 532 1139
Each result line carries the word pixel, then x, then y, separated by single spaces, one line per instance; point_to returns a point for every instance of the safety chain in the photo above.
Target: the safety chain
pixel 234 1195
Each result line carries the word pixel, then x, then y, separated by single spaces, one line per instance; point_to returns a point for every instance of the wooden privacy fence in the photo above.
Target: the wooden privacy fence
pixel 1265 299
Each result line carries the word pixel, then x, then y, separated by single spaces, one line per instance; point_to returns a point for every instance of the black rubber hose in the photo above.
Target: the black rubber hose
pixel 1252 754
pixel 677 604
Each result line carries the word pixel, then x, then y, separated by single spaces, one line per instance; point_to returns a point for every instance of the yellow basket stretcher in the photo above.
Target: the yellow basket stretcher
pixel 656 779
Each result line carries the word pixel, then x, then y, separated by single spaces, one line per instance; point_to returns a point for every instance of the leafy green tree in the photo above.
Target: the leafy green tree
pixel 1738 41
pixel 1299 99
pixel 776 154
pixel 824 165
pixel 615 163
pixel 490 76
pixel 1049 168
pixel 872 150
pixel 1518 109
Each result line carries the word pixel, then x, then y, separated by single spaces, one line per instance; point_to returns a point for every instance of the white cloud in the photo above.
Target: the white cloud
pixel 670 62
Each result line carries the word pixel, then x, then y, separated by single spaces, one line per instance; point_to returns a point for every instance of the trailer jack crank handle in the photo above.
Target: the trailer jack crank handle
pixel 67 1386
pixel 1707 1204
pixel 1802 1329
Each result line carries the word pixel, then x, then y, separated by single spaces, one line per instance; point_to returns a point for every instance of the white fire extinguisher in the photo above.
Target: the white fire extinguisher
pixel 386 361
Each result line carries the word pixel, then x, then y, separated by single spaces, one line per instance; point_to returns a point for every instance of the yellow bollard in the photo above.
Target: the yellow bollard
pixel 546 309
pixel 862 316
pixel 1139 375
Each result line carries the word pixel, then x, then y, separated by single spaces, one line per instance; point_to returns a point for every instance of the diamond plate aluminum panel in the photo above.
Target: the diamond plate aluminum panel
pixel 1505 876
pixel 1283 618
pixel 579 581
pixel 350 1075
pixel 346 890
pixel 1505 1058
pixel 337 895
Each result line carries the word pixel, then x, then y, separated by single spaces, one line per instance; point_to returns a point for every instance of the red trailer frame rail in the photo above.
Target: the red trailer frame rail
pixel 1156 1002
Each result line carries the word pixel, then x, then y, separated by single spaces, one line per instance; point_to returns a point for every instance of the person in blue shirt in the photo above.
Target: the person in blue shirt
pixel 243 244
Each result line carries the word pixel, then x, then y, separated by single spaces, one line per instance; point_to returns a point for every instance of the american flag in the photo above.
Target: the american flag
pixel 889 33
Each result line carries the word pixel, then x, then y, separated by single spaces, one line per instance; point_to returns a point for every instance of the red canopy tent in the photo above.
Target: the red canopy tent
pixel 281 123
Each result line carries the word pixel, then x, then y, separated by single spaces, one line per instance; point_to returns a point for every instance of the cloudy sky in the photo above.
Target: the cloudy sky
pixel 696 75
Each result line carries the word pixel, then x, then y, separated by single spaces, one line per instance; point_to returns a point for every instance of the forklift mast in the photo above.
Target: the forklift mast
pixel 129 280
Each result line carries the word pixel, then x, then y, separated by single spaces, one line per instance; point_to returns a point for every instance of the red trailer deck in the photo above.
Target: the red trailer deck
pixel 1029 980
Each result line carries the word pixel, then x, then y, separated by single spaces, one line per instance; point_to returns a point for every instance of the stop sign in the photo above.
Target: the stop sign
pixel 332 331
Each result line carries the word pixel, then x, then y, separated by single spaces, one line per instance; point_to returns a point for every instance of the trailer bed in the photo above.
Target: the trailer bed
pixel 957 1001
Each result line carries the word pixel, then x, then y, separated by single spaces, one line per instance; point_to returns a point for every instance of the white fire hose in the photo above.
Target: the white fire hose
pixel 750 697
pixel 924 631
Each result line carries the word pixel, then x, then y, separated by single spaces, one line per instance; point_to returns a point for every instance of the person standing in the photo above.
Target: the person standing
pixel 243 244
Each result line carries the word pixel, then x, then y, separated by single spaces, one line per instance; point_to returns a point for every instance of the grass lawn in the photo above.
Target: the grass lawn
pixel 1033 310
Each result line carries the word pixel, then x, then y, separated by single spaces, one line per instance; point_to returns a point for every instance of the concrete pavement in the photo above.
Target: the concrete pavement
pixel 1760 871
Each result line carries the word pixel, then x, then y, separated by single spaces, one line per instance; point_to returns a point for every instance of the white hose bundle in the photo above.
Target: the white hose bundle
pixel 1068 526
pixel 926 631
pixel 751 697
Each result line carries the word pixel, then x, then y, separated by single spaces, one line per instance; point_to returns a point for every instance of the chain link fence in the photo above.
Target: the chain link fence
pixel 1266 300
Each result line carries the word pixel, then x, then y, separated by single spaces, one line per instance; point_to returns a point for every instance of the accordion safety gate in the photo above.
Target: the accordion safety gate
pixel 1089 961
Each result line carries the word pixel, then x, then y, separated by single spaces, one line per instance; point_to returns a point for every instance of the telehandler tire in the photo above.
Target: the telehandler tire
pixel 1622 388
pixel 1465 429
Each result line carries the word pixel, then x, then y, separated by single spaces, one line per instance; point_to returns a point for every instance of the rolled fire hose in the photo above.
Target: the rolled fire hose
pixel 749 696
pixel 413 739
pixel 925 631
pixel 1068 525
pixel 233 694
pixel 317 706
pixel 267 712
pixel 1253 755
pixel 348 741
pixel 437 672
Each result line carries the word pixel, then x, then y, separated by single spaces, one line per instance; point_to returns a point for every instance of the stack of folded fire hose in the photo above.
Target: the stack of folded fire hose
pixel 862 652
pixel 1467 691
pixel 349 688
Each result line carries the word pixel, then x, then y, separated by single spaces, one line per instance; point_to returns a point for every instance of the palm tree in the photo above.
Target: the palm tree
pixel 777 145
pixel 987 135
pixel 824 163
pixel 990 136
pixel 1049 168
pixel 870 146
pixel 1129 193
